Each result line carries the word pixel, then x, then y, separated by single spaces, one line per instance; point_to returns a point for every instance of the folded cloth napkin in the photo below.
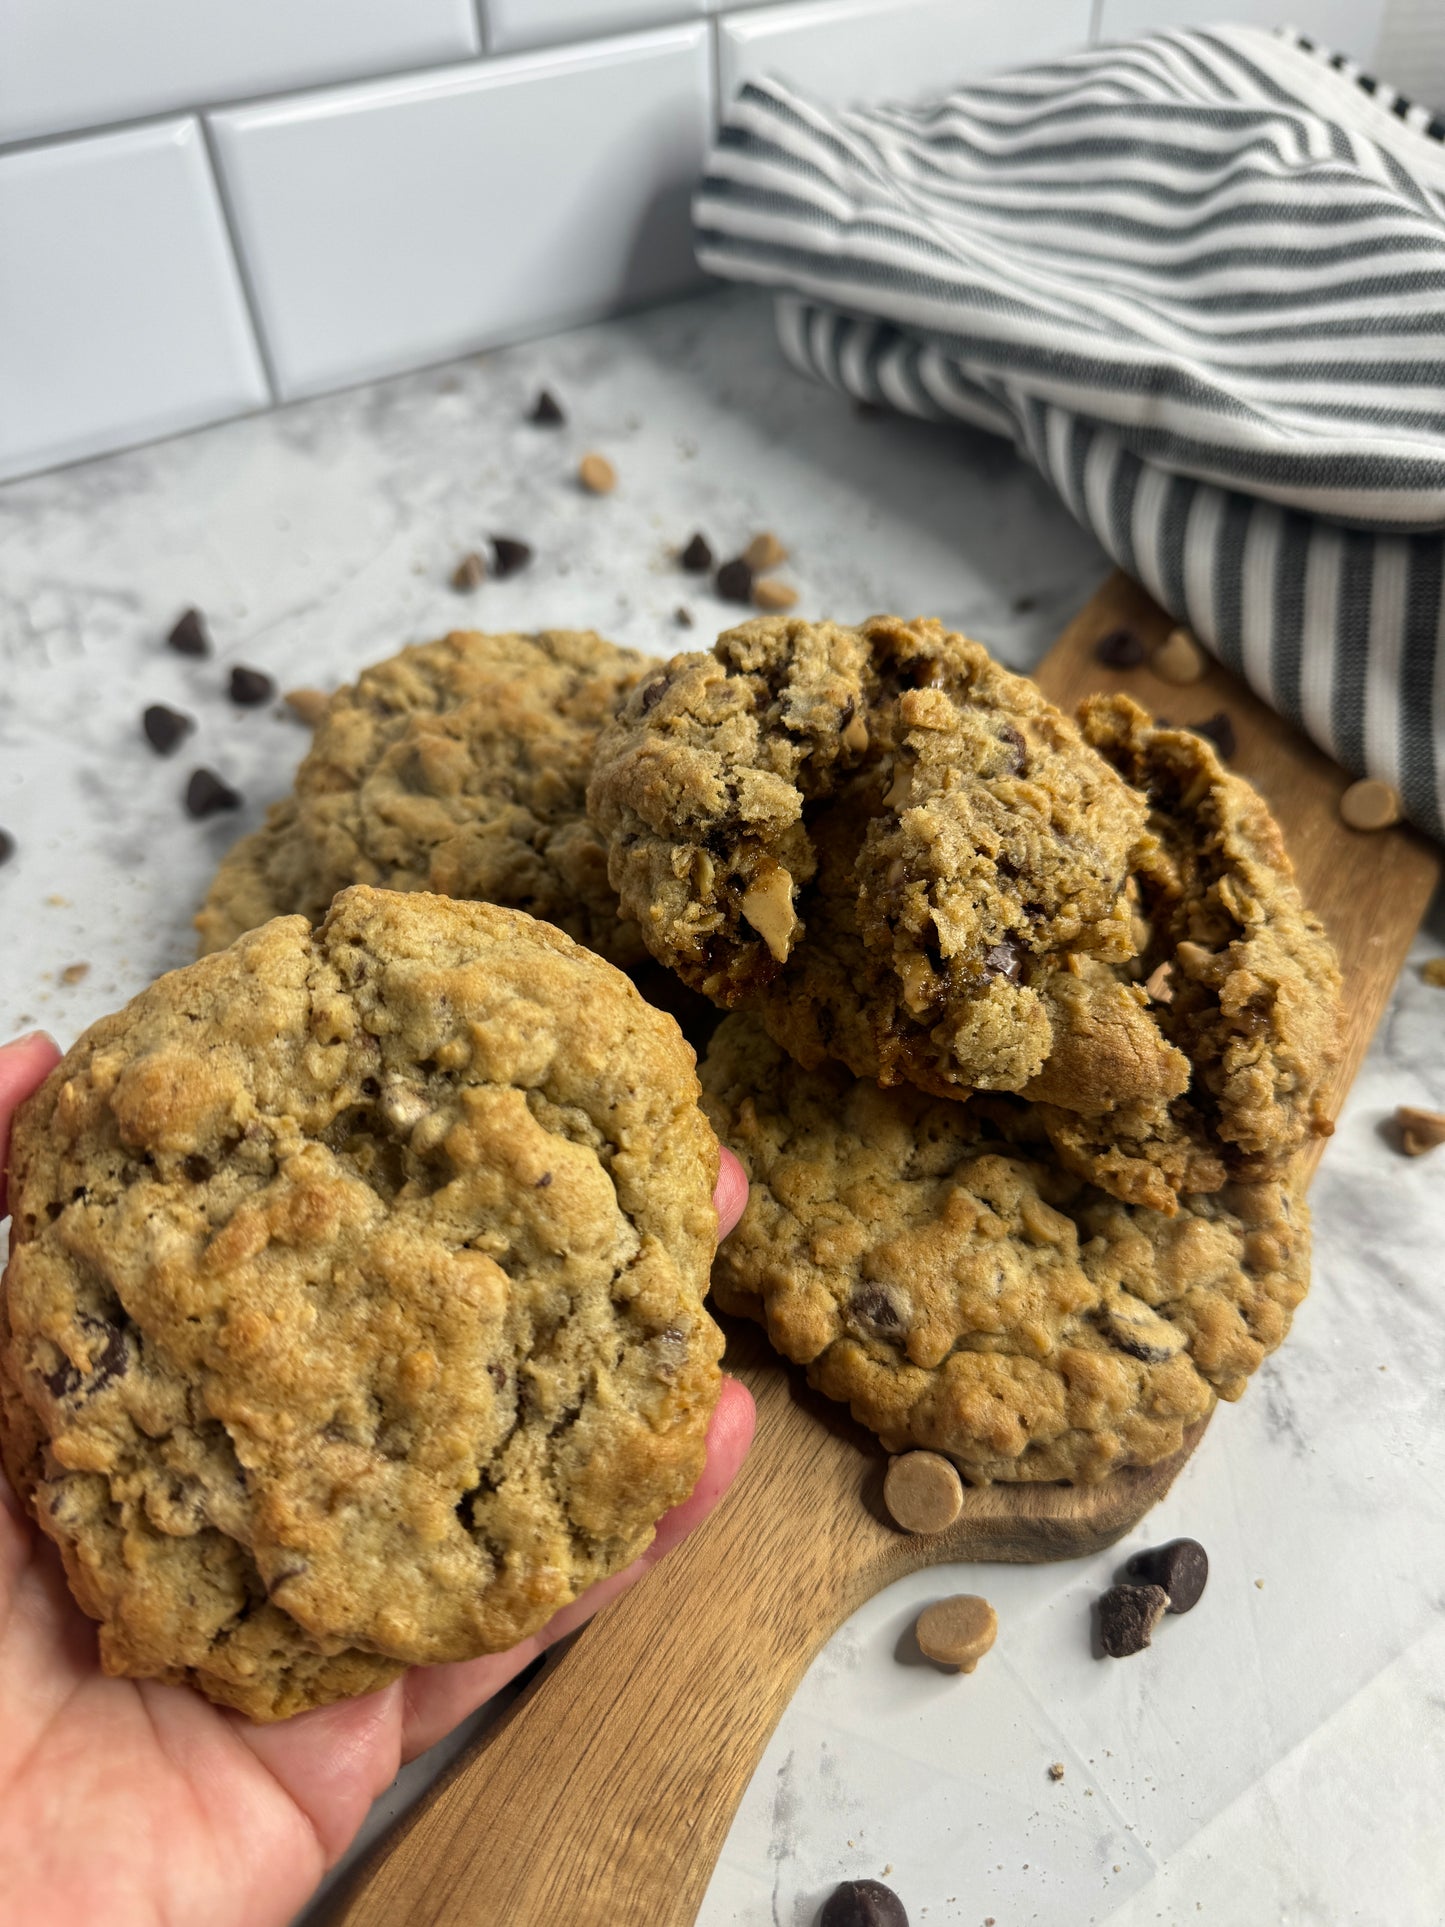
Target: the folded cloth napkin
pixel 1199 279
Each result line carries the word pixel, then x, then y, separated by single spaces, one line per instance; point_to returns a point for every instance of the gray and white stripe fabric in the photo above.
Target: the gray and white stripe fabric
pixel 1200 280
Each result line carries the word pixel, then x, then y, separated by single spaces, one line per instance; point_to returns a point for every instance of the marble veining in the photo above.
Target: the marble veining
pixel 1278 1755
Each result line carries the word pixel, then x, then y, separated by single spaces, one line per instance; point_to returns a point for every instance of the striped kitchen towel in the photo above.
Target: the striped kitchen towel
pixel 1200 280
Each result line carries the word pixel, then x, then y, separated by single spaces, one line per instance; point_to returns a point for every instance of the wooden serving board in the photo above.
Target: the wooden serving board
pixel 604 1795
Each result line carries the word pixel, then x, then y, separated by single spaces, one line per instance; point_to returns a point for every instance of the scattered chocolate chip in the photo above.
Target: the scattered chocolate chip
pixel 863 1903
pixel 250 687
pixel 1218 730
pixel 596 474
pixel 470 573
pixel 1004 960
pixel 1020 750
pixel 75 973
pixel 682 617
pixel 1181 1568
pixel 509 554
pixel 697 556
pixel 1128 1616
pixel 547 410
pixel 164 727
pixel 69 1381
pixel 7 846
pixel 206 793
pixel 189 637
pixel 734 581
pixel 1120 649
pixel 652 693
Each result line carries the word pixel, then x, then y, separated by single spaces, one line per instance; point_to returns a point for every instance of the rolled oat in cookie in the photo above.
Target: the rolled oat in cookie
pixel 934 1268
pixel 460 767
pixel 353 1317
pixel 899 854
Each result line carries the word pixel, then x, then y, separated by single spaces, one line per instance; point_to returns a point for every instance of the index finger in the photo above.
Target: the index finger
pixel 24 1067
pixel 731 1195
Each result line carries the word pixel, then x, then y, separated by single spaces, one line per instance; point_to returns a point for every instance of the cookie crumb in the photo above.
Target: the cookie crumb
pixel 1120 649
pixel 770 592
pixel 764 552
pixel 862 1903
pixel 596 474
pixel 206 793
pixel 1259 1585
pixel 1420 1131
pixel 470 573
pixel 734 581
pixel 509 554
pixel 189 636
pixel 546 411
pixel 697 556
pixel 165 727
pixel 1128 1616
pixel 922 1491
pixel 1369 805
pixel 1434 972
pixel 307 705
pixel 957 1632
pixel 248 687
pixel 75 973
pixel 1181 1567
pixel 1056 1771
pixel 682 617
pixel 1179 659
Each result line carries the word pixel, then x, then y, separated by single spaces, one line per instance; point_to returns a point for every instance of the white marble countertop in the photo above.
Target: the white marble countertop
pixel 1279 1755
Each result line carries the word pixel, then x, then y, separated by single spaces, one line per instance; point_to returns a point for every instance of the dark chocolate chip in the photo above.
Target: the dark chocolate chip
pixel 498 1375
pixel 652 693
pixel 189 637
pixel 69 1381
pixel 1181 1568
pixel 863 1903
pixel 1005 960
pixel 509 554
pixel 1120 649
pixel 1019 749
pixel 164 727
pixel 871 1306
pixel 198 1169
pixel 7 846
pixel 547 410
pixel 1024 603
pixel 697 556
pixel 682 617
pixel 543 1181
pixel 1128 1616
pixel 1218 730
pixel 206 793
pixel 251 686
pixel 734 581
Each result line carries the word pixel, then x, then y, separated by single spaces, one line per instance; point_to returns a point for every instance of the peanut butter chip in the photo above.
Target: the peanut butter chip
pixel 309 705
pixel 770 592
pixel 765 551
pixel 958 1631
pixel 1420 1131
pixel 1370 805
pixel 768 907
pixel 1179 658
pixel 855 737
pixel 923 1491
pixel 597 475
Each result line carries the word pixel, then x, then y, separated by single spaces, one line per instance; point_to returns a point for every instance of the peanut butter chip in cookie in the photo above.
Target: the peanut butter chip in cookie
pixel 923 1492
pixel 768 906
pixel 957 1632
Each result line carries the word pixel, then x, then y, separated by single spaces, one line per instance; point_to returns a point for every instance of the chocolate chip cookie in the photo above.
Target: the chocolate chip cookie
pixel 354 1316
pixel 897 853
pixel 460 767
pixel 933 1266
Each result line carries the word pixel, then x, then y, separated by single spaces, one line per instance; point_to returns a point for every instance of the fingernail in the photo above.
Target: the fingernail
pixel 32 1037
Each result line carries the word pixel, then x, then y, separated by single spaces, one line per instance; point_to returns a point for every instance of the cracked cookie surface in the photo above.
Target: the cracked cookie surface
pixel 884 843
pixel 934 1268
pixel 457 766
pixel 354 1316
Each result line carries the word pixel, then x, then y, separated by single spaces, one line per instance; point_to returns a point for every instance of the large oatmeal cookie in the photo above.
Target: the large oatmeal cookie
pixel 891 848
pixel 354 1312
pixel 458 766
pixel 933 1266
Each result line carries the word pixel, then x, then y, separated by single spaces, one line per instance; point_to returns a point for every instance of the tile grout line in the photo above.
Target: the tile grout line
pixel 238 255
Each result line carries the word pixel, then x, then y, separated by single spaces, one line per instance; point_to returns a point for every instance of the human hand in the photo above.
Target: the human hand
pixel 142 1805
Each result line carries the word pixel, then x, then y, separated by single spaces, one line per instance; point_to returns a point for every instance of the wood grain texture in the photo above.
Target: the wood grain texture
pixel 604 1796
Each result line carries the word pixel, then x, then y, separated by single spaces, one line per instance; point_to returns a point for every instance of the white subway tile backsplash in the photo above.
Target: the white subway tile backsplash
pixel 82 63
pixel 121 313
pixel 513 24
pixel 389 225
pixel 848 50
pixel 1346 26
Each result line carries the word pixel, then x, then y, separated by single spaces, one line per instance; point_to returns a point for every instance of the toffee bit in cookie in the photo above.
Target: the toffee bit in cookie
pixel 923 1492
pixel 546 411
pixel 164 727
pixel 863 1903
pixel 470 573
pixel 1218 730
pixel 206 793
pixel 734 581
pixel 1128 1616
pixel 7 847
pixel 1179 659
pixel 682 616
pixel 697 557
pixel 307 705
pixel 770 592
pixel 1420 1131
pixel 1181 1568
pixel 1056 1771
pixel 75 973
pixel 596 474
pixel 1120 649
pixel 957 1632
pixel 189 636
pixel 509 555
pixel 764 552
pixel 249 687
pixel 1370 805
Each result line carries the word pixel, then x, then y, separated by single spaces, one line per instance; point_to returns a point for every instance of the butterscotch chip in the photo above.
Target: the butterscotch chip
pixel 1179 658
pixel 765 551
pixel 958 1631
pixel 923 1492
pixel 769 592
pixel 308 705
pixel 1370 805
pixel 1434 972
pixel 1420 1131
pixel 596 474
